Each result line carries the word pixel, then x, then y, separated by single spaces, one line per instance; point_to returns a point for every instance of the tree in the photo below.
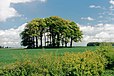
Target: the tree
pixel 55 30
pixel 75 33
pixel 33 31
pixel 26 39
pixel 41 26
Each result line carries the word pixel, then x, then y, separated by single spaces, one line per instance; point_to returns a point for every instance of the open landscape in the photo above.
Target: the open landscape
pixel 88 60
pixel 9 55
pixel 56 38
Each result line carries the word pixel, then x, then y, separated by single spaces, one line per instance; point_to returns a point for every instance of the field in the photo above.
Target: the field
pixel 10 55
pixel 97 61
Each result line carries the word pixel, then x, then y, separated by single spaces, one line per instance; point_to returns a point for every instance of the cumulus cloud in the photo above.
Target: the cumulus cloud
pixel 88 18
pixel 20 1
pixel 6 11
pixel 11 37
pixel 98 33
pixel 111 2
pixel 111 8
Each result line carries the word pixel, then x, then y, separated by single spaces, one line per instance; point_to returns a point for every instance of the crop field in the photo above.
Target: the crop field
pixel 74 61
pixel 11 55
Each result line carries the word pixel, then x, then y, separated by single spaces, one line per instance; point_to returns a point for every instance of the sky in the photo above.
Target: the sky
pixel 94 17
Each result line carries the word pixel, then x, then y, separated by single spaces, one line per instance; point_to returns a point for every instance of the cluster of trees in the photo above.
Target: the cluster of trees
pixel 4 47
pixel 99 43
pixel 1 46
pixel 93 44
pixel 52 31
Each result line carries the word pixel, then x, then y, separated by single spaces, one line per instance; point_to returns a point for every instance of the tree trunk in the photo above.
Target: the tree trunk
pixel 62 42
pixel 71 42
pixel 65 44
pixel 53 39
pixel 50 40
pixel 36 41
pixel 41 39
pixel 33 45
pixel 29 42
pixel 58 40
pixel 45 39
pixel 50 29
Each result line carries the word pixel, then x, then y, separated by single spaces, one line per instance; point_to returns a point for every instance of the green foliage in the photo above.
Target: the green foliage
pixel 107 51
pixel 99 43
pixel 108 73
pixel 8 56
pixel 50 64
pixel 93 44
pixel 30 63
pixel 54 29
pixel 87 64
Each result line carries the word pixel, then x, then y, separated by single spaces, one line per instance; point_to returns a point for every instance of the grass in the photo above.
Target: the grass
pixel 11 55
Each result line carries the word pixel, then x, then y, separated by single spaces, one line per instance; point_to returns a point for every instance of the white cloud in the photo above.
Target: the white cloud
pixel 111 2
pixel 11 36
pixel 6 11
pixel 88 18
pixel 94 6
pixel 112 5
pixel 20 1
pixel 24 1
pixel 97 7
pixel 43 0
pixel 98 33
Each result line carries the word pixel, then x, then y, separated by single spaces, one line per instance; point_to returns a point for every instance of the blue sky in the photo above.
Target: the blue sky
pixel 74 10
pixel 94 17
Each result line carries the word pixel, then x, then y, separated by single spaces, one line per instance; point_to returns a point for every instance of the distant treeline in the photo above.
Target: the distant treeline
pixel 1 46
pixel 4 47
pixel 98 43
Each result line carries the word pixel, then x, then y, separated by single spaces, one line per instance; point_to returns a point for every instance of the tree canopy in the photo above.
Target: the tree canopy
pixel 53 31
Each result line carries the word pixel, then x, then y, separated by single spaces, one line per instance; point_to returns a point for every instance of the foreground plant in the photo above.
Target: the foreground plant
pixel 69 64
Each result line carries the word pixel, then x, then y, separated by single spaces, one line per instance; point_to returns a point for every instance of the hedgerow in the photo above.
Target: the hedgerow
pixel 106 50
pixel 87 63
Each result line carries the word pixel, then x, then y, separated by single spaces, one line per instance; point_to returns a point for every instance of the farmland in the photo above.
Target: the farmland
pixel 10 55
pixel 74 61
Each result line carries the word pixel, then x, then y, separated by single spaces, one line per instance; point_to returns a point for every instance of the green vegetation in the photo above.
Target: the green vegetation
pixel 78 61
pixel 99 43
pixel 52 31
pixel 107 51
pixel 9 55
pixel 69 64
